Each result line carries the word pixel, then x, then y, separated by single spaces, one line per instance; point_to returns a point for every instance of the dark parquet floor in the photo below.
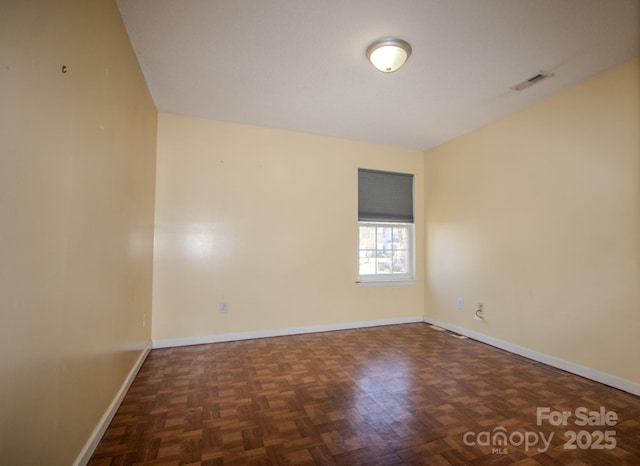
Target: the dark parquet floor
pixel 392 395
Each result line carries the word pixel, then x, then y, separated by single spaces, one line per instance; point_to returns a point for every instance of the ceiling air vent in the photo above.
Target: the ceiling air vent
pixel 532 80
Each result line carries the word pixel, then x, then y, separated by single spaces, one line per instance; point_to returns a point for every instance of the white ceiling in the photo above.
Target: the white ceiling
pixel 300 64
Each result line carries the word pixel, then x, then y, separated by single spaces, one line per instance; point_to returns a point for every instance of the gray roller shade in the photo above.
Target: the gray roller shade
pixel 385 196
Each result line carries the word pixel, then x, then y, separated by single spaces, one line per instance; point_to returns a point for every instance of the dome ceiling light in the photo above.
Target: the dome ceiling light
pixel 388 55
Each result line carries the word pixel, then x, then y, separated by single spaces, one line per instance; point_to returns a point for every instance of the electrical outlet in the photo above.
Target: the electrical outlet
pixel 224 307
pixel 460 303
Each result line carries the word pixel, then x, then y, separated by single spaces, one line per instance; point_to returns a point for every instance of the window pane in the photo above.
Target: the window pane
pixel 399 264
pixel 383 262
pixel 385 241
pixel 400 238
pixel 367 237
pixel 367 253
pixel 367 262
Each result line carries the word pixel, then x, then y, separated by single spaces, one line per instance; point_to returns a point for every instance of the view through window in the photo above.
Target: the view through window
pixel 385 250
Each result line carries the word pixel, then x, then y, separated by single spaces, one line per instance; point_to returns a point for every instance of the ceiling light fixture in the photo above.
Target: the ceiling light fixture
pixel 388 55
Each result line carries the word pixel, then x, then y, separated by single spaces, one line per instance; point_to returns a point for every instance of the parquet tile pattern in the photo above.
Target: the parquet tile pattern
pixel 392 395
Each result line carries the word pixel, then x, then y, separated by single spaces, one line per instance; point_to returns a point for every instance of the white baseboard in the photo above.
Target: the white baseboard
pixel 166 343
pixel 89 447
pixel 586 372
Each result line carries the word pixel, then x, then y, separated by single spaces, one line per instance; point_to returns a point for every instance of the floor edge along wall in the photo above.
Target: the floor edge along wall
pixel 167 343
pixel 597 376
pixel 582 371
pixel 591 374
pixel 93 440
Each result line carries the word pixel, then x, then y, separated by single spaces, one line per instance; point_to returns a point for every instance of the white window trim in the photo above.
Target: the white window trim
pixel 408 278
pixel 386 282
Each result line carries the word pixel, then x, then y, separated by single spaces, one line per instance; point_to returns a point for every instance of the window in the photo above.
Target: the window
pixel 386 251
pixel 385 226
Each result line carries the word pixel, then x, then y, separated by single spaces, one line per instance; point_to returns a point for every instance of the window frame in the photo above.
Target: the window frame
pixel 405 278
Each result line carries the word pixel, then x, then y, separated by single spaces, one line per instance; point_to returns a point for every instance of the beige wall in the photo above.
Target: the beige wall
pixel 537 216
pixel 77 168
pixel 266 221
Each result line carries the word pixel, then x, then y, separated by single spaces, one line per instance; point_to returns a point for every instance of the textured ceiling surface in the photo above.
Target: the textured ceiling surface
pixel 300 64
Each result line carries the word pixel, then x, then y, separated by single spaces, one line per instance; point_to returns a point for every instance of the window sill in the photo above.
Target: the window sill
pixel 411 281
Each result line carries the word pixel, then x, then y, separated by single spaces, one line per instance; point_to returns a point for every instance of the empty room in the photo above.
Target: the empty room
pixel 306 232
